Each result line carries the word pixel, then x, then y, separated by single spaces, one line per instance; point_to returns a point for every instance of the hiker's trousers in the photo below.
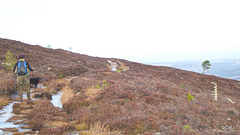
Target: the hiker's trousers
pixel 23 85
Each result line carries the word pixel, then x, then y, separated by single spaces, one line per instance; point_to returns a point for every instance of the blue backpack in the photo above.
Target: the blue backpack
pixel 22 67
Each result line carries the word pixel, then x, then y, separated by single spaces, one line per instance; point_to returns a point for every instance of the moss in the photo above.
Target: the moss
pixel 192 130
pixel 61 76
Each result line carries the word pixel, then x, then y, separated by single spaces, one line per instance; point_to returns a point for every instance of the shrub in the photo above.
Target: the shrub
pixel 37 124
pixel 76 102
pixel 120 69
pixel 187 127
pixel 190 97
pixel 102 84
pixel 10 61
pixel 42 113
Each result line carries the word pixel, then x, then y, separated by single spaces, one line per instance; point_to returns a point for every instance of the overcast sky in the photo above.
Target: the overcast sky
pixel 137 30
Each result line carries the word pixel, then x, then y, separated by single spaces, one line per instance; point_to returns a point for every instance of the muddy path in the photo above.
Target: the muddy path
pixel 13 117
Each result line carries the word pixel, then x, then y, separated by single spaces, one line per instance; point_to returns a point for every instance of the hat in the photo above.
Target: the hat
pixel 21 56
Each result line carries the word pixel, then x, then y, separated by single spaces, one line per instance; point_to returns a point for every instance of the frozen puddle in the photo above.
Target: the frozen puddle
pixel 5 114
pixel 56 99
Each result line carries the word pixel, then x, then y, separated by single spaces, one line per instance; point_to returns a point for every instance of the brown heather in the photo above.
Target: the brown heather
pixel 4 101
pixel 142 100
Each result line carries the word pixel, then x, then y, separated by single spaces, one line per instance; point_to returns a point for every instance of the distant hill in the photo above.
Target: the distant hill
pixel 134 99
pixel 226 68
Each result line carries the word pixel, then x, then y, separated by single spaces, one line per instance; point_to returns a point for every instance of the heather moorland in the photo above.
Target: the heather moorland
pixel 133 99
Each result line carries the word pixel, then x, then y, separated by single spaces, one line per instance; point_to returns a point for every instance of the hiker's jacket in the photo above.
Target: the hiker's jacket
pixel 28 66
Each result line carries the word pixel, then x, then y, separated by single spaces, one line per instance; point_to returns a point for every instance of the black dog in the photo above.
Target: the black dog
pixel 35 81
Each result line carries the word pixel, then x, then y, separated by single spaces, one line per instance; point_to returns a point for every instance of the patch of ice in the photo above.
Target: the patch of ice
pixel 5 114
pixel 56 100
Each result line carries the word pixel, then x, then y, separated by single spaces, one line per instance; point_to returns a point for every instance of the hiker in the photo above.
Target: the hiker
pixel 23 81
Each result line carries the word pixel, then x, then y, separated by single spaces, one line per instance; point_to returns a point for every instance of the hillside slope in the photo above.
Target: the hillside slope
pixel 47 63
pixel 143 99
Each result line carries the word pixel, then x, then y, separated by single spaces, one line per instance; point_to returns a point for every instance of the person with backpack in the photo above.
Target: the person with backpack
pixel 23 82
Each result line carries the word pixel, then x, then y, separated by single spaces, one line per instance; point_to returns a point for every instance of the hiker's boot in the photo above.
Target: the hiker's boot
pixel 28 95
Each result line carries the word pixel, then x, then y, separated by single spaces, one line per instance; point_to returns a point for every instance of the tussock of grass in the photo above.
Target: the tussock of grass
pixel 67 94
pixel 99 129
pixel 82 126
pixel 92 92
pixel 56 124
pixel 57 85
